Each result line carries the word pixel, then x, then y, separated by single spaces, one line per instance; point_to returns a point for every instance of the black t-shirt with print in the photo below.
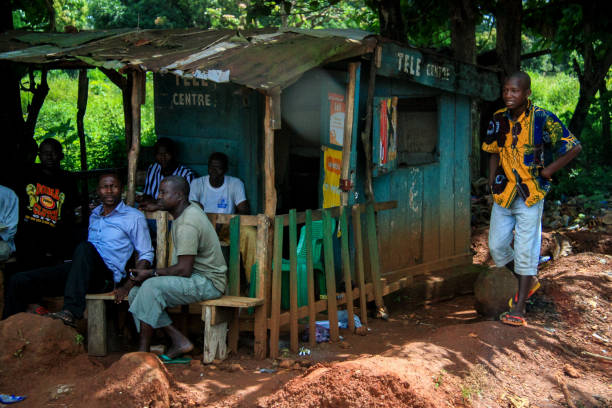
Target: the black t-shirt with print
pixel 46 230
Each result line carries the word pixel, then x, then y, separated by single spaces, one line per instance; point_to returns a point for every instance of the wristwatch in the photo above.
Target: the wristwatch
pixel 154 274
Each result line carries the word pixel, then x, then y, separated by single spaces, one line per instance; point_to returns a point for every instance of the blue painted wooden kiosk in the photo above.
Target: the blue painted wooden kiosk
pixel 335 119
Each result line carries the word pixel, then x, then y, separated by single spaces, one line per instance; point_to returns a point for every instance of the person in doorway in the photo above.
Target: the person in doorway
pixel 527 146
pixel 165 165
pixel 197 271
pixel 47 196
pixel 219 193
pixel 98 264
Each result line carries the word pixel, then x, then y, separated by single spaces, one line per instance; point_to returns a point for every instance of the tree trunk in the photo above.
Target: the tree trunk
pixel 390 19
pixel 463 30
pixel 604 101
pixel 125 84
pixel 508 47
pixel 594 71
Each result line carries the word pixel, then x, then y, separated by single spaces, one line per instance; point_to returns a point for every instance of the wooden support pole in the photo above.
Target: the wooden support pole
pixel 263 282
pixel 234 282
pixel 311 281
pixel 293 281
pixel 359 267
pixel 346 267
pixel 366 134
pixel 269 174
pixel 375 261
pixel 330 277
pixel 275 304
pixel 161 252
pixel 81 108
pixel 137 99
pixel 347 143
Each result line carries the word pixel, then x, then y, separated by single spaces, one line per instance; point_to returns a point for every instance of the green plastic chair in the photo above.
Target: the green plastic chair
pixel 302 273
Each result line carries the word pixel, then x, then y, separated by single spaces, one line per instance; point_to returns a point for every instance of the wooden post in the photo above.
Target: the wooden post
pixel 275 303
pixel 269 175
pixel 81 108
pixel 96 327
pixel 330 277
pixel 359 269
pixel 375 261
pixel 293 281
pixel 346 267
pixel 311 281
pixel 138 86
pixel 161 252
pixel 234 281
pixel 366 134
pixel 261 313
pixel 348 132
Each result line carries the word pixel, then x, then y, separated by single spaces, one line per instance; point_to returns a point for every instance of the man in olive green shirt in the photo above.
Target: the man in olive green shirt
pixel 198 270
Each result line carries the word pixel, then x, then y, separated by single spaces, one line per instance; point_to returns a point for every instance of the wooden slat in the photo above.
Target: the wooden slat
pixel 462 174
pixel 346 267
pixel 438 264
pixel 373 252
pixel 234 282
pixel 447 165
pixel 101 296
pixel 330 277
pixel 161 252
pixel 250 220
pixel 359 269
pixel 233 301
pixel 431 212
pixel 293 283
pixel 234 258
pixel 275 303
pixel 311 282
pixel 263 288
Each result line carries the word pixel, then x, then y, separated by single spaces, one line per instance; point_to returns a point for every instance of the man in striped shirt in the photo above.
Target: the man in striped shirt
pixel 165 165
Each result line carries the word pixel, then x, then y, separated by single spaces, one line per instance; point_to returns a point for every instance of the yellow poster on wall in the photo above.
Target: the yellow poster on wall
pixel 331 182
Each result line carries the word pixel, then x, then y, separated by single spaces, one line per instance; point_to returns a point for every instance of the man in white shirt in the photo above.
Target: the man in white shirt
pixel 219 193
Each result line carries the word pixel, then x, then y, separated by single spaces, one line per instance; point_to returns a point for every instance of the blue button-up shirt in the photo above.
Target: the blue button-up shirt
pixel 117 235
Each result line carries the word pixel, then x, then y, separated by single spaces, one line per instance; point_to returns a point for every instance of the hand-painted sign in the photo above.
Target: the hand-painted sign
pixel 337 113
pixel 331 182
pixel 438 71
pixel 185 92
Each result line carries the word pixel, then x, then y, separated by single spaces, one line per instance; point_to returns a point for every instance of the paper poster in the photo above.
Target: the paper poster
pixel 337 113
pixel 331 182
pixel 388 131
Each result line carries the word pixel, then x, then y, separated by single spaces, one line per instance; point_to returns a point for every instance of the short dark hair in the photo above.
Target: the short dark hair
pixel 55 144
pixel 179 183
pixel 222 157
pixel 113 173
pixel 167 143
pixel 523 78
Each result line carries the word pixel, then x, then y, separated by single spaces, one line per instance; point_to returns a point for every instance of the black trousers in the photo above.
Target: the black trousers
pixel 86 273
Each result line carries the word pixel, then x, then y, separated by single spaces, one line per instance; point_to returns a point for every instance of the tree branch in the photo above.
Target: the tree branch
pixel 39 94
pixel 535 54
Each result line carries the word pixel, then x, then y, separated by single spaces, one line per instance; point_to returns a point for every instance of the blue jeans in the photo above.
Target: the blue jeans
pixel 526 222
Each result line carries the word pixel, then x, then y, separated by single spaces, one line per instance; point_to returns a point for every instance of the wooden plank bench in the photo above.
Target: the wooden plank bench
pixel 218 316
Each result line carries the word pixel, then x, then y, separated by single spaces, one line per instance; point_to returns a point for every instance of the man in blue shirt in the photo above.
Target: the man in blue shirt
pixel 98 264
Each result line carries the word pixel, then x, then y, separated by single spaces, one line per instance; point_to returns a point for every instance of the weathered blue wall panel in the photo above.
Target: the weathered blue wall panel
pixel 462 174
pixel 207 117
pixel 446 114
pixel 431 212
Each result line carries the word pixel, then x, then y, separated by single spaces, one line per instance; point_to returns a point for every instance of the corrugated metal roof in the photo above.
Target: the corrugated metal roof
pixel 259 59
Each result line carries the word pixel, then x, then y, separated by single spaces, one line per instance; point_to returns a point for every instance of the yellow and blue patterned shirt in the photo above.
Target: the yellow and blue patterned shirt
pixel 525 147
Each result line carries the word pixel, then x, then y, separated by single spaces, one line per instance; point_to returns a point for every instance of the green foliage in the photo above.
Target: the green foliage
pixel 104 127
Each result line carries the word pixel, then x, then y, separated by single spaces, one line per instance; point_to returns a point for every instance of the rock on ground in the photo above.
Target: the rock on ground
pixel 492 290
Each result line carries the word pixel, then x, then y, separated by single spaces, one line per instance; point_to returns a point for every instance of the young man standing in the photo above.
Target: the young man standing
pixel 527 146
pixel 197 271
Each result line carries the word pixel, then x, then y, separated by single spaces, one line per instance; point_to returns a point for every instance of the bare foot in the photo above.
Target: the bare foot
pixel 179 349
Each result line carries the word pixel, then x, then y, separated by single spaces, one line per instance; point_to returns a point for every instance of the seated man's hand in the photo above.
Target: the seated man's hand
pixel 122 292
pixel 140 275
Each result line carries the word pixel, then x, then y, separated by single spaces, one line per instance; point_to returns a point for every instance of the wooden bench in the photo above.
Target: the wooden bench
pixel 220 316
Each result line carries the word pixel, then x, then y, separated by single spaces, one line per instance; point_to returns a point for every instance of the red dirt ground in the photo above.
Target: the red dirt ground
pixel 436 355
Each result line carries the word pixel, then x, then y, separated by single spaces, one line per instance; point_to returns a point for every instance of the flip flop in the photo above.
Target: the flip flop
pixel 533 290
pixel 10 399
pixel 179 360
pixel 512 320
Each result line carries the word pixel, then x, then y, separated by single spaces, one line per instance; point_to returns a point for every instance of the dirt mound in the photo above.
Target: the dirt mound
pixel 29 341
pixel 361 383
pixel 136 380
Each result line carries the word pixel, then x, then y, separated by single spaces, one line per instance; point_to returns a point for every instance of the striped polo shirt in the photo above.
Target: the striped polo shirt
pixel 155 177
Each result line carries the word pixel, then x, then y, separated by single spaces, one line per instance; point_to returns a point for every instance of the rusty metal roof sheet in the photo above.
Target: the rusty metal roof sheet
pixel 259 59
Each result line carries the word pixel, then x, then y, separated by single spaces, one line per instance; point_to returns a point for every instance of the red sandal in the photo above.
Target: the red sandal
pixel 512 320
